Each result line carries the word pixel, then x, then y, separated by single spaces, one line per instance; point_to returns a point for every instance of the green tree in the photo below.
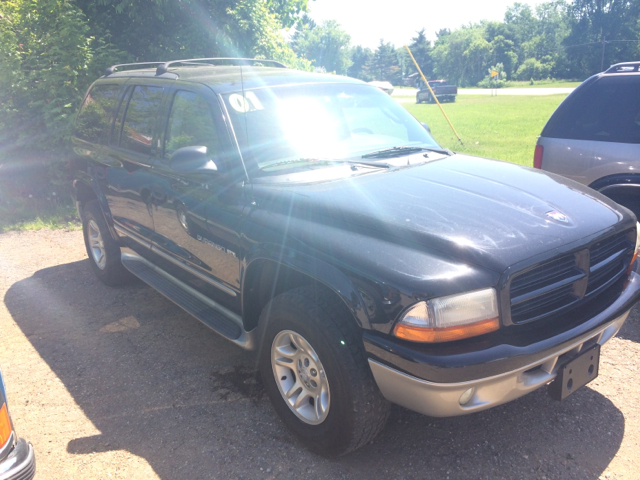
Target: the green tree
pixel 361 58
pixel 45 56
pixel 602 32
pixel 462 56
pixel 532 69
pixel 421 51
pixel 384 64
pixel 326 45
pixel 502 52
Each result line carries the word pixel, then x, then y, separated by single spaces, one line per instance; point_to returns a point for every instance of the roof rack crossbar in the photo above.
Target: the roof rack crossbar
pixel 113 68
pixel 233 61
pixel 624 67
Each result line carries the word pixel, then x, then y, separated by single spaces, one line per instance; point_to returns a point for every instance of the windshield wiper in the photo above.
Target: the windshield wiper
pixel 399 151
pixel 328 160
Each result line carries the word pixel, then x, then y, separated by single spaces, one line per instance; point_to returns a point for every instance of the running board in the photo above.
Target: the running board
pixel 209 312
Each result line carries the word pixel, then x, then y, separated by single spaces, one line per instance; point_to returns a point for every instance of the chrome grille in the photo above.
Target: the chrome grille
pixel 558 284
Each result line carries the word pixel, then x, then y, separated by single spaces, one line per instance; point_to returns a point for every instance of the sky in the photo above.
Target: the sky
pixel 396 21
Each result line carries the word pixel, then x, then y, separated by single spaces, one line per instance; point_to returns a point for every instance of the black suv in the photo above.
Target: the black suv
pixel 312 219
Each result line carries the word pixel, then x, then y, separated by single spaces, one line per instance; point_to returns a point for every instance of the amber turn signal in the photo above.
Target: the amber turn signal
pixel 448 334
pixel 5 425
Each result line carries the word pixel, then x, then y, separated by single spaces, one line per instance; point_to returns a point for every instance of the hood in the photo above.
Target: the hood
pixel 491 213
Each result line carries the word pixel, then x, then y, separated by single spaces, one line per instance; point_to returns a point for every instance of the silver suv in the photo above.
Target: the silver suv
pixel 594 135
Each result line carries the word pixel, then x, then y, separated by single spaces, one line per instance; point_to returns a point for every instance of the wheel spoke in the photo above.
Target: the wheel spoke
pixel 287 351
pixel 319 407
pixel 285 362
pixel 294 388
pixel 302 399
pixel 297 342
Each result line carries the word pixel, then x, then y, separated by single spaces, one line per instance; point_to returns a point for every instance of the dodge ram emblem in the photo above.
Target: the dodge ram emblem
pixel 560 217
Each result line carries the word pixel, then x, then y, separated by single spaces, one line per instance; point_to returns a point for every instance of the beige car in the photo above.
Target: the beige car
pixel 594 135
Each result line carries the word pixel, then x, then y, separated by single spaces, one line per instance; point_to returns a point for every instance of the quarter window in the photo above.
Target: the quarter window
pixel 139 121
pixel 95 116
pixel 190 125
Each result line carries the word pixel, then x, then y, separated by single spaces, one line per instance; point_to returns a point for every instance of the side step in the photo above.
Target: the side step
pixel 209 312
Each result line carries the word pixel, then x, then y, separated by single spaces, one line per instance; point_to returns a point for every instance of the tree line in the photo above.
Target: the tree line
pixel 559 39
pixel 51 50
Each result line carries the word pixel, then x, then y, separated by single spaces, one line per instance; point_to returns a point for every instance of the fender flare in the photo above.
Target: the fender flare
pixel 318 270
pixel 625 181
pixel 90 184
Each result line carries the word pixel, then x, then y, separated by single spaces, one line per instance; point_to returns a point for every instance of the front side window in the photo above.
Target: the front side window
pixel 319 121
pixel 140 119
pixel 94 120
pixel 190 125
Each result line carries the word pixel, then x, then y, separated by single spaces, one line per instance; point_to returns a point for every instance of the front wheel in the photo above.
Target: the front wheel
pixel 315 371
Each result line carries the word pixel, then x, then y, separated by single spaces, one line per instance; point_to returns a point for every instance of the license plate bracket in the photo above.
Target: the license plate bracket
pixel 576 373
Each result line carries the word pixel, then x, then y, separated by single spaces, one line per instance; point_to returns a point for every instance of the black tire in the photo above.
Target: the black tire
pixel 357 411
pixel 418 99
pixel 110 270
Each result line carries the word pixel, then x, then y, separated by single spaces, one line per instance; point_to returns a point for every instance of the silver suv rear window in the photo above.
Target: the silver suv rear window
pixel 606 110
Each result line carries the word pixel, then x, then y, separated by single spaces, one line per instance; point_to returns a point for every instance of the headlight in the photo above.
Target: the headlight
pixel 635 250
pixel 450 318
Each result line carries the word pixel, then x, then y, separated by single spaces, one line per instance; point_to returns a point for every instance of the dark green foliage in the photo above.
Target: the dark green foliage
pixel 421 51
pixel 361 58
pixel 51 51
pixel 385 64
pixel 602 32
pixel 326 45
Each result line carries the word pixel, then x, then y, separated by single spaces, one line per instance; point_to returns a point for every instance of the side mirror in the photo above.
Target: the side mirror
pixel 192 160
pixel 426 127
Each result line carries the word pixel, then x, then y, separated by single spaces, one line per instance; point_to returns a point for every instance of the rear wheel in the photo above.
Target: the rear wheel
pixel 314 369
pixel 102 249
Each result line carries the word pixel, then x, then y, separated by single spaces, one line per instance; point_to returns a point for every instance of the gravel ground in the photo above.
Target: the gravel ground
pixel 120 383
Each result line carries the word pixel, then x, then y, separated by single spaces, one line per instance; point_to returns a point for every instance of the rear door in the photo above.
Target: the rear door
pixel 132 147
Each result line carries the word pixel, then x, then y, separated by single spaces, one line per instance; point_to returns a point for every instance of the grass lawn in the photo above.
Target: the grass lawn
pixel 543 84
pixel 26 217
pixel 505 127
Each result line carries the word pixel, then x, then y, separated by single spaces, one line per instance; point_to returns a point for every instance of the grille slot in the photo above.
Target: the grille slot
pixel 609 261
pixel 557 285
pixel 542 275
pixel 544 289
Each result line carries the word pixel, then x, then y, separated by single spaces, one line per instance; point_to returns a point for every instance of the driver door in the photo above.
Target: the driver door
pixel 196 214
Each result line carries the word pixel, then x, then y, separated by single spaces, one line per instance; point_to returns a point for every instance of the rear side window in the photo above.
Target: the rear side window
pixel 94 120
pixel 140 119
pixel 608 110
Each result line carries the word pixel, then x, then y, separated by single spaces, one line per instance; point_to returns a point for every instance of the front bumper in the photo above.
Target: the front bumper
pixel 431 379
pixel 20 464
pixel 443 399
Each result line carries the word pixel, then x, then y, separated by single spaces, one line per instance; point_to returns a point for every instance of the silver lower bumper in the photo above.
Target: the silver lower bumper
pixel 20 464
pixel 443 399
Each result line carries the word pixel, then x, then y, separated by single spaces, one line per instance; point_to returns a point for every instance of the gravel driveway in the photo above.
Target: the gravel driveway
pixel 120 383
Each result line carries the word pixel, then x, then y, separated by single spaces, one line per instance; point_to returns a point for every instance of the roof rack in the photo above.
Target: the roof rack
pixel 624 67
pixel 112 68
pixel 163 67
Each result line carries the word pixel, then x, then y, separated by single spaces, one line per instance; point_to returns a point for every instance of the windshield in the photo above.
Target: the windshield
pixel 319 122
